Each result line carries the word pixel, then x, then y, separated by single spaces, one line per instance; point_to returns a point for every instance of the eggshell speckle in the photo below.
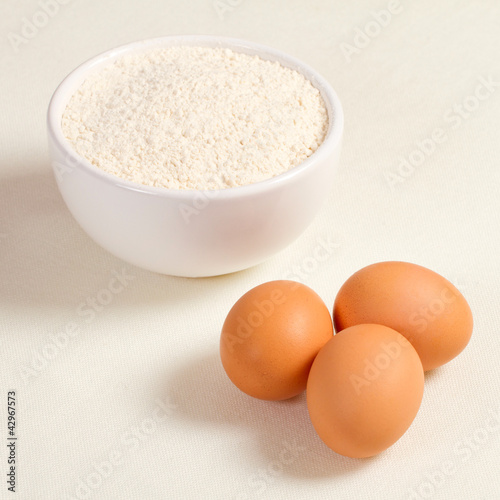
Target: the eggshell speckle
pixel 364 390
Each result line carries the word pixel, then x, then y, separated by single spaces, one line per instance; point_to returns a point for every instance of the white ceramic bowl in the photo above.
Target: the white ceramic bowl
pixel 186 232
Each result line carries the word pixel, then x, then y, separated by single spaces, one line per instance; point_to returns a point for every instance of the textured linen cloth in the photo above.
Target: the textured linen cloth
pixel 128 400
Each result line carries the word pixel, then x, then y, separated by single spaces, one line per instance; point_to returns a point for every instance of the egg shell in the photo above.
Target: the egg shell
pixel 364 390
pixel 271 337
pixel 417 302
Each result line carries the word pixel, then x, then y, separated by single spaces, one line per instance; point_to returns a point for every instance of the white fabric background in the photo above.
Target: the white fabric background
pixel 158 338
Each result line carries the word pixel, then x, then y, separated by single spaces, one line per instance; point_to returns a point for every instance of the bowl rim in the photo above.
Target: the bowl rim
pixel 75 78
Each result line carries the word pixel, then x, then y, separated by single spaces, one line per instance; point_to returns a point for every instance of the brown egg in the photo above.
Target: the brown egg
pixel 271 336
pixel 364 390
pixel 417 302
